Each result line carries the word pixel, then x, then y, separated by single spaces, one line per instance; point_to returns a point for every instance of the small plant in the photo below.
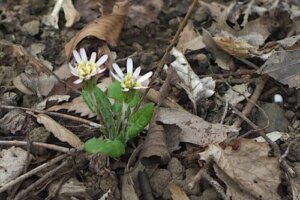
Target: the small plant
pixel 120 121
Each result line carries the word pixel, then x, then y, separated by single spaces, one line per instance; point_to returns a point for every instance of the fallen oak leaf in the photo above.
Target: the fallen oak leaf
pixel 249 165
pixel 194 129
pixel 59 131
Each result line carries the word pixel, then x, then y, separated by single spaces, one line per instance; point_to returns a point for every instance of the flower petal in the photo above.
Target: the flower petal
pixel 145 77
pixel 129 65
pixel 99 70
pixel 83 54
pixel 76 56
pixel 72 70
pixel 136 73
pixel 77 81
pixel 101 60
pixel 118 70
pixel 93 57
pixel 125 89
pixel 140 87
pixel 116 77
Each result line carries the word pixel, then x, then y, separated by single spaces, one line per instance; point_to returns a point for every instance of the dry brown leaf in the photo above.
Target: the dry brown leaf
pixel 154 150
pixel 250 166
pixel 283 66
pixel 177 192
pixel 193 128
pixel 236 47
pixel 77 105
pixel 237 93
pixel 106 28
pixel 12 122
pixel 189 39
pixel 59 131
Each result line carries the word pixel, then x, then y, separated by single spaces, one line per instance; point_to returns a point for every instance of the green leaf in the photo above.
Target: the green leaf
pixel 114 91
pixel 139 120
pixel 104 108
pixel 116 107
pixel 87 99
pixel 112 148
pixel 135 99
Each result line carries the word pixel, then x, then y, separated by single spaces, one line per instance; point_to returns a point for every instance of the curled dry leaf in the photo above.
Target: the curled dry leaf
pixel 55 98
pixel 249 166
pixel 59 131
pixel 155 150
pixel 12 160
pixel 195 87
pixel 106 28
pixel 236 47
pixel 194 129
pixel 283 66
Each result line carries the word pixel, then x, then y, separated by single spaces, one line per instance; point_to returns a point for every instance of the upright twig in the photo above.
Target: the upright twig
pixel 171 45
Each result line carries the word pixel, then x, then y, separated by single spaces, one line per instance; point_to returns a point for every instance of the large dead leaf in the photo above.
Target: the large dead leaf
pixel 59 131
pixel 12 162
pixel 249 166
pixel 283 66
pixel 193 128
pixel 106 28
pixel 195 87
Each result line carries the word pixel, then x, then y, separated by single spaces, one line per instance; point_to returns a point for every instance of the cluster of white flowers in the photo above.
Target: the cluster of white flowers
pixel 85 69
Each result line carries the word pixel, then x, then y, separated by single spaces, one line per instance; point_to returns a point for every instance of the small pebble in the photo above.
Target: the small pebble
pixel 32 27
pixel 278 98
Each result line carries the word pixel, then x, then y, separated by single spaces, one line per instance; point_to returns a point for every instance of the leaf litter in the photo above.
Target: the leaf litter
pixel 230 35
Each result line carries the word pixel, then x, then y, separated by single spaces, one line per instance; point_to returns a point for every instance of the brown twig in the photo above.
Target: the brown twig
pixel 203 173
pixel 172 44
pixel 32 172
pixel 37 183
pixel 145 186
pixel 38 144
pixel 70 117
pixel 225 111
pixel 250 104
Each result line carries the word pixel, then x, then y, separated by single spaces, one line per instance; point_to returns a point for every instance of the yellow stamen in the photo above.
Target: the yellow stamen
pixel 85 68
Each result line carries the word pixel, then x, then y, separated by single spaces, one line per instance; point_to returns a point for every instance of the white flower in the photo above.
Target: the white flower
pixel 130 80
pixel 84 69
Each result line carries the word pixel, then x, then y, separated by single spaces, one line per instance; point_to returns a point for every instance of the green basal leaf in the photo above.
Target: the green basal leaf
pixel 139 120
pixel 104 107
pixel 116 107
pixel 113 148
pixel 114 91
pixel 135 99
pixel 87 99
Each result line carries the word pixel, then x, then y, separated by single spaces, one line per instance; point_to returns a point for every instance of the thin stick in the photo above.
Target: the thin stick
pixel 49 174
pixel 37 144
pixel 165 56
pixel 225 111
pixel 70 117
pixel 250 104
pixel 32 172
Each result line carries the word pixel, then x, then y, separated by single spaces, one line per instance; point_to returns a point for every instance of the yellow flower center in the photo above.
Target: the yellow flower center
pixel 128 82
pixel 85 68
